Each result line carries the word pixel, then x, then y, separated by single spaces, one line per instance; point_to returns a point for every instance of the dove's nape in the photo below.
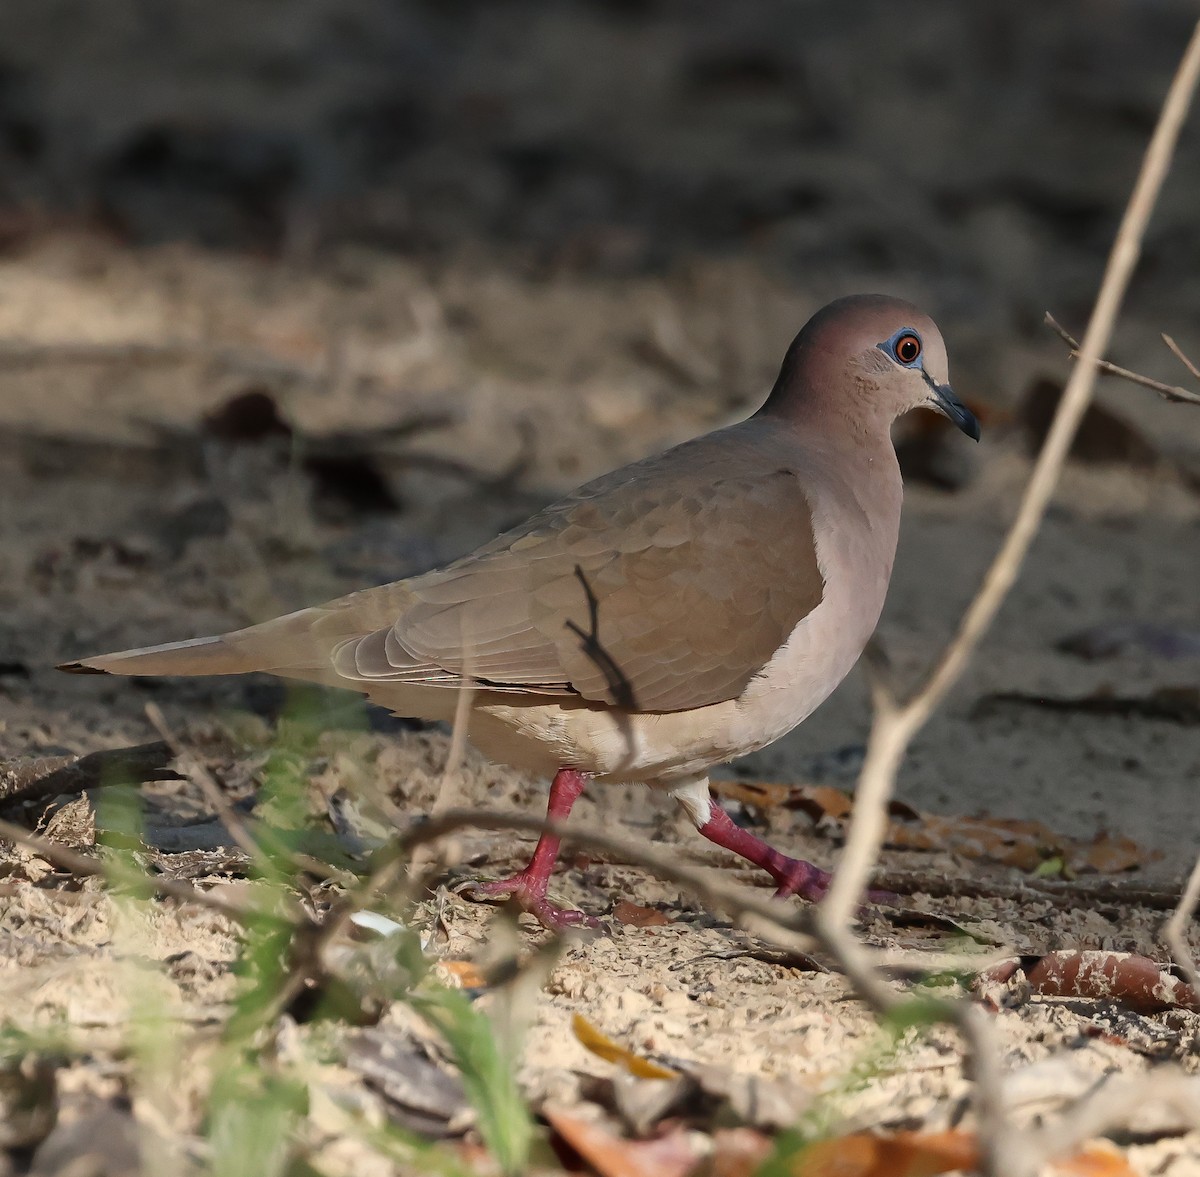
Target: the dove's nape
pixel 665 618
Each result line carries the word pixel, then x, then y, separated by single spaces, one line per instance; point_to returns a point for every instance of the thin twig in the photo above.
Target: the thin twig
pixel 1171 392
pixel 1115 1103
pixel 1174 931
pixel 238 829
pixel 1177 352
pixel 80 864
pixel 200 775
pixel 785 923
pixel 27 780
pixel 896 724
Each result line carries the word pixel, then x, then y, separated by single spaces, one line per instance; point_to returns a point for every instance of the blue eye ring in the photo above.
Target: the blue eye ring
pixel 905 347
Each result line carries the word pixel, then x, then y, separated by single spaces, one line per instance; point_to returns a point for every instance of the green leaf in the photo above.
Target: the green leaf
pixel 488 1078
pixel 252 1119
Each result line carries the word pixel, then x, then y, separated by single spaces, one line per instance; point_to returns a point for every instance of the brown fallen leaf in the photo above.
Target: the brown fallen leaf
pixel 636 916
pixel 604 1047
pixel 1022 844
pixel 822 801
pixel 1100 1159
pixel 761 794
pixel 925 1154
pixel 1107 854
pixel 1018 843
pixel 671 1155
pixel 818 801
pixel 464 973
pixel 1136 982
pixel 901 1154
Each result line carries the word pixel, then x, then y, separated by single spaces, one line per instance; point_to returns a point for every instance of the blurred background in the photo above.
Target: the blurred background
pixel 300 295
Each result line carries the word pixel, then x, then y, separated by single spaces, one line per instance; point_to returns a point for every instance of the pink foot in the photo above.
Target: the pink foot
pixel 793 876
pixel 530 894
pixel 530 886
pixel 810 882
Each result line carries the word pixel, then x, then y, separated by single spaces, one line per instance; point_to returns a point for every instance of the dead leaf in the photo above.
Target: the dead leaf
pixel 422 1096
pixel 930 926
pixel 901 1154
pixel 1023 844
pixel 604 1047
pixel 464 973
pixel 642 1104
pixel 756 1100
pixel 760 794
pixel 1107 854
pixel 637 916
pixel 1026 845
pixel 925 1154
pixel 1136 982
pixel 669 1155
pixel 820 801
pixel 1096 1160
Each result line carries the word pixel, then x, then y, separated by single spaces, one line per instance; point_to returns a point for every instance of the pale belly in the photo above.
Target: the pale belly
pixel 672 747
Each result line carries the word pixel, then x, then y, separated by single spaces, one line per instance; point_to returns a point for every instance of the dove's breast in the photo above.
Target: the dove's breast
pixel 664 748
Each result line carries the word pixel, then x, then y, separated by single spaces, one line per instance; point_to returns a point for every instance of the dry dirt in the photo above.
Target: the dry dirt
pixel 124 523
pixel 606 218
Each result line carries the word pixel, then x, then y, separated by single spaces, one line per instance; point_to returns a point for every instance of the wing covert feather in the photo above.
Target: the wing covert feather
pixel 664 586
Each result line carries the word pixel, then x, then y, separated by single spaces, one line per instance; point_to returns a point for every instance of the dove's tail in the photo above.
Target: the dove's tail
pixel 298 645
pixel 293 646
pixel 214 655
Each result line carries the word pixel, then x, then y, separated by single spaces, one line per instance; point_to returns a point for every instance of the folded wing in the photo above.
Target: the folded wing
pixel 661 587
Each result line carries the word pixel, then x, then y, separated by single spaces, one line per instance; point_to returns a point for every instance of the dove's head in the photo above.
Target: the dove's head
pixel 867 358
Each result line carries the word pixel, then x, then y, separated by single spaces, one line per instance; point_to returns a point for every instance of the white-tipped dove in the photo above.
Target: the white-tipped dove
pixel 665 618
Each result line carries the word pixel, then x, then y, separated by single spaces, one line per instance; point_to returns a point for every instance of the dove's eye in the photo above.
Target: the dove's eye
pixel 907 348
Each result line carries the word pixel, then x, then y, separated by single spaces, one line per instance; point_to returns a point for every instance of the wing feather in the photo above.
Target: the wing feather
pixel 662 587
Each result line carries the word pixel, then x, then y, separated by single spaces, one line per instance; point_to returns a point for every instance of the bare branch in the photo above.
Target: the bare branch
pixel 238 829
pixel 1177 352
pixel 39 779
pixel 787 925
pixel 1171 392
pixel 1175 929
pixel 80 864
pixel 893 729
pixel 1114 1104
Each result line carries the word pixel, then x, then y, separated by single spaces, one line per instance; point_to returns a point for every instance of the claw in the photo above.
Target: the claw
pixel 530 895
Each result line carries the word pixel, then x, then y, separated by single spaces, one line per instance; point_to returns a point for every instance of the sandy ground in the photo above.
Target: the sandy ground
pixel 124 522
pixel 470 270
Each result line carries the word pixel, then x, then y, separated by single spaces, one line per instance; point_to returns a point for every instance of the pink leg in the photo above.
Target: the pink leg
pixel 792 876
pixel 530 886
